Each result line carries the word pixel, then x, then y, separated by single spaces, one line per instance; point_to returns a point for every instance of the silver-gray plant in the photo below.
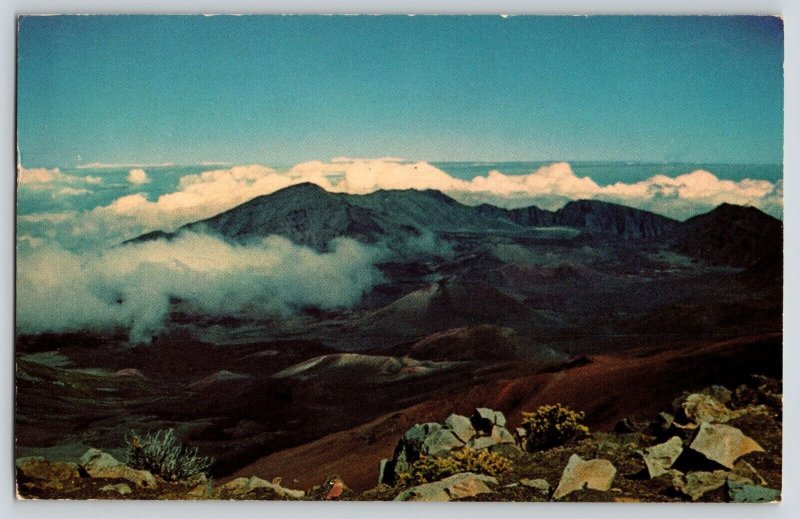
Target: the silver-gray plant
pixel 163 455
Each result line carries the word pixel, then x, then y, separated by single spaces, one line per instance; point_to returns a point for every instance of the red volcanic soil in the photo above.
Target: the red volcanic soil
pixel 607 387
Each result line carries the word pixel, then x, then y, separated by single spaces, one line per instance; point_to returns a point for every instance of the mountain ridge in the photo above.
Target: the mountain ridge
pixel 299 210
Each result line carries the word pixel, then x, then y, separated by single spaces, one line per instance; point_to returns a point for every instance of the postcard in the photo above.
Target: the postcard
pixel 399 258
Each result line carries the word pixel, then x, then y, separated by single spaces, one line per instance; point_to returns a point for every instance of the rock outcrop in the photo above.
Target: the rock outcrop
pixel 723 444
pixel 483 430
pixel 457 486
pixel 99 464
pixel 579 474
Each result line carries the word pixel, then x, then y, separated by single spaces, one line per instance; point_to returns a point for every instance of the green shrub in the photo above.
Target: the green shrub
pixel 434 468
pixel 552 425
pixel 162 455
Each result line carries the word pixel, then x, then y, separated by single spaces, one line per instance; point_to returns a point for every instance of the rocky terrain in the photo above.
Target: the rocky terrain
pixel 714 445
pixel 606 309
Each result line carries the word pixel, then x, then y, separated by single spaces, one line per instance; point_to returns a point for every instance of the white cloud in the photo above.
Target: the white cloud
pixel 71 191
pixel 138 176
pixel 112 165
pixel 43 178
pixel 130 287
pixel 208 193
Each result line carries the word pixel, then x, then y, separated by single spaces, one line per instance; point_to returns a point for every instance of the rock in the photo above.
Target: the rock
pixel 460 426
pixel 723 444
pixel 540 485
pixel 521 432
pixel 458 486
pixel 336 487
pixel 440 441
pixel 659 458
pixel 120 488
pixel 744 469
pixel 482 442
pixel 596 474
pixel 697 484
pixel 702 408
pixel 745 493
pixel 36 467
pixel 501 435
pixel 241 486
pixel 382 470
pixel 408 450
pixel 721 394
pixel 484 418
pixel 99 464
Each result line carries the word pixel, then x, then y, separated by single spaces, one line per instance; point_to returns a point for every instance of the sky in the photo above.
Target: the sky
pixel 284 90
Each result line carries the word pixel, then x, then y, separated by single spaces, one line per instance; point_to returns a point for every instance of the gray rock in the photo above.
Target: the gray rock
pixel 120 488
pixel 745 493
pixel 99 464
pixel 501 435
pixel 723 444
pixel 382 470
pixel 579 474
pixel 460 426
pixel 659 458
pixel 540 485
pixel 521 432
pixel 440 441
pixel 481 442
pixel 242 486
pixel 697 484
pixel 458 486
pixel 484 418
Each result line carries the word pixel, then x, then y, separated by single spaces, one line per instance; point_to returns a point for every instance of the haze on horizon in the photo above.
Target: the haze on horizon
pixel 288 89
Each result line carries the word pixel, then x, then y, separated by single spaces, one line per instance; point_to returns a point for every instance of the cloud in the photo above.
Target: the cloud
pixel 130 287
pixel 138 176
pixel 113 165
pixel 205 194
pixel 42 178
pixel 71 191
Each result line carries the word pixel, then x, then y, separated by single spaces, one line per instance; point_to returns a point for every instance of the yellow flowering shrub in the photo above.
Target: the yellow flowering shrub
pixel 552 425
pixel 434 468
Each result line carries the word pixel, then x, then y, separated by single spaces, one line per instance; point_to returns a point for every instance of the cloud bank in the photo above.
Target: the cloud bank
pixel 43 178
pixel 131 287
pixel 210 192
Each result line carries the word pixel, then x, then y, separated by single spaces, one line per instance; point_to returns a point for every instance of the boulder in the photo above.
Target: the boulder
pixel 241 486
pixel 700 408
pixel 539 485
pixel 38 468
pixel 458 486
pixel 739 492
pixel 99 464
pixel 659 458
pixel 484 418
pixel 120 488
pixel 596 474
pixel 460 426
pixel 336 488
pixel 481 442
pixel 723 444
pixel 440 441
pixel 721 394
pixel 697 484
pixel 501 435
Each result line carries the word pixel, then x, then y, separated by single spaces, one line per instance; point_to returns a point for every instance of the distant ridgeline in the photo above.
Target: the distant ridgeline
pixel 308 215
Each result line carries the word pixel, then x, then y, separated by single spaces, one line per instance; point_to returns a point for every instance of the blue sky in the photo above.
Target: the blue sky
pixel 280 90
